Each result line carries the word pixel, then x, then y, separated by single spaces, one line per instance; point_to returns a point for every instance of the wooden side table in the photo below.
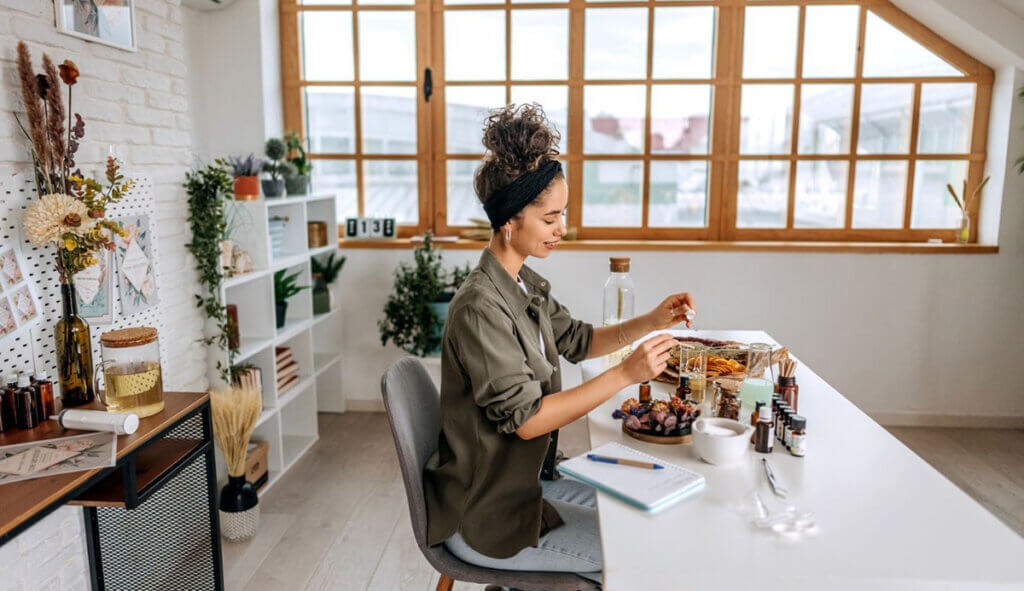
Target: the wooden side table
pixel 151 520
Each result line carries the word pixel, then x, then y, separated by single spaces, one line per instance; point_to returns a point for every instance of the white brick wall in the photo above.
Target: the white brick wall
pixel 138 103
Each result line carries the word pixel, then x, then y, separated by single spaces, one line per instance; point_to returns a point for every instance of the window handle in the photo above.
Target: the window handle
pixel 428 85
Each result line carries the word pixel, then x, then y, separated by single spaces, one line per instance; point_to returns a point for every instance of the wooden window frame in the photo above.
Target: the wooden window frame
pixel 723 156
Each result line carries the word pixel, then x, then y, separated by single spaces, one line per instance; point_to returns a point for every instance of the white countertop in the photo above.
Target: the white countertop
pixel 887 519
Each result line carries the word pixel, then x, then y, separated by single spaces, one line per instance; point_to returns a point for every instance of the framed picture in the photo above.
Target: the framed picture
pixel 110 22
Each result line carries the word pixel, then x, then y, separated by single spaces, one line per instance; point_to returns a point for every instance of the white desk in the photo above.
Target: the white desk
pixel 887 519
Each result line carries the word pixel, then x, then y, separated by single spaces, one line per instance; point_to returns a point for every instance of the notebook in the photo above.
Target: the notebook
pixel 650 490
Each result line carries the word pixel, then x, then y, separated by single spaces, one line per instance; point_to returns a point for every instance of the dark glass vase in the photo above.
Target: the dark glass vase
pixel 239 509
pixel 74 352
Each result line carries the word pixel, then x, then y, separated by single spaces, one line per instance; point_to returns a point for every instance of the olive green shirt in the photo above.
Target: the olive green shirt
pixel 484 480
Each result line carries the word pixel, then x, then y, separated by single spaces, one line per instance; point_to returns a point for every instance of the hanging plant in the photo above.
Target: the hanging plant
pixel 208 188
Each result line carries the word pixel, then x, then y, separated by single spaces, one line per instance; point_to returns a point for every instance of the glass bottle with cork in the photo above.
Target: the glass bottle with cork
pixel 618 304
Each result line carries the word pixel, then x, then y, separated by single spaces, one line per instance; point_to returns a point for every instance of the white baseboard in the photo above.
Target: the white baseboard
pixel 917 419
pixel 362 405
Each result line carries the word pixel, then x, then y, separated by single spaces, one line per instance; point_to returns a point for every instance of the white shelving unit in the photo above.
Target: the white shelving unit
pixel 288 422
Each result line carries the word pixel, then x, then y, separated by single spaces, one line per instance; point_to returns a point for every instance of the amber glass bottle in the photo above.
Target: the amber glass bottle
pixel 74 352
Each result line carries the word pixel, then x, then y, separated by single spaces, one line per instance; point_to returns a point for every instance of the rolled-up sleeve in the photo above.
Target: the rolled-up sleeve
pixel 500 380
pixel 572 337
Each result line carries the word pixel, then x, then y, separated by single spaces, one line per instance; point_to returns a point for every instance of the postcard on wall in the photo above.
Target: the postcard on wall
pixel 19 304
pixel 61 455
pixel 94 291
pixel 137 281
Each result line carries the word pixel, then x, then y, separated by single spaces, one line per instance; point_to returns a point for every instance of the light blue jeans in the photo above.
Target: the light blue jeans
pixel 574 547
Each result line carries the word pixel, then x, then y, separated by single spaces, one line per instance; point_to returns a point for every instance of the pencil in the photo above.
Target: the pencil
pixel 624 462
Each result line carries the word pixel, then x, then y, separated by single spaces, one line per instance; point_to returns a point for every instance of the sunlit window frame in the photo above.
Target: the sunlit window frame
pixel 724 137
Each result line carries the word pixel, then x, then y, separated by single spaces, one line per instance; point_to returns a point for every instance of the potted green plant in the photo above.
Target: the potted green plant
pixel 324 275
pixel 276 167
pixel 297 183
pixel 246 172
pixel 284 288
pixel 415 312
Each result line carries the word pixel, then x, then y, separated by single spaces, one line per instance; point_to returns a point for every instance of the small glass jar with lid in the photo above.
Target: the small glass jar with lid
pixel 131 371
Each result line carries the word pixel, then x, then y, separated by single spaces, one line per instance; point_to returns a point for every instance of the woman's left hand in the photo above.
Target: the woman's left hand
pixel 672 311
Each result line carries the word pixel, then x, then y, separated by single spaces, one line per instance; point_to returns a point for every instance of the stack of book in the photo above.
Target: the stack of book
pixel 287 369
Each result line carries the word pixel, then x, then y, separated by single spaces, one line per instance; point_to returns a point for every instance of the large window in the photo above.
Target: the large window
pixel 680 119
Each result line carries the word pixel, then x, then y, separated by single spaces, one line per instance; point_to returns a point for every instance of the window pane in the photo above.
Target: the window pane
pixel 537 1
pixel 390 190
pixel 679 194
pixel 323 2
pixel 762 195
pixel 680 117
pixel 474 1
pixel 366 2
pixel 825 114
pixel 820 200
pixel 330 121
pixel 946 115
pixel 614 119
pixel 769 41
pixel 390 33
pixel 933 206
pixel 466 108
pixel 885 118
pixel 463 203
pixel 879 191
pixel 611 193
pixel 890 52
pixel 766 118
pixel 616 43
pixel 338 176
pixel 389 119
pixel 327 45
pixel 474 45
pixel 554 100
pixel 830 41
pixel 683 56
pixel 540 44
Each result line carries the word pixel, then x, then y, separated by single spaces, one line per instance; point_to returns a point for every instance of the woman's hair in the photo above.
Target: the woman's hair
pixel 517 139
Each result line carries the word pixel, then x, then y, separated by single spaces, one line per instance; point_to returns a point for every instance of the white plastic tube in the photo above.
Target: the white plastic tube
pixel 122 423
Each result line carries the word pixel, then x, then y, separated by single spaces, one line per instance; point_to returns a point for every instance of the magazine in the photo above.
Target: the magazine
pixel 36 459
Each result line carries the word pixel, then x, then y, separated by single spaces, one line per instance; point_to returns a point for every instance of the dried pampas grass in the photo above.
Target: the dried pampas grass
pixel 234 414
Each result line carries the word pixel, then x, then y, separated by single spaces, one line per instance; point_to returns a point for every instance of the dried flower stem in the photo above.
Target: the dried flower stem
pixel 34 111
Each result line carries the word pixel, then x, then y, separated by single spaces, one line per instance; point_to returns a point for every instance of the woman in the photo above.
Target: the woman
pixel 500 385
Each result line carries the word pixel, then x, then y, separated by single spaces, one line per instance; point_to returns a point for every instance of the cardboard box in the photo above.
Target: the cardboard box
pixel 256 461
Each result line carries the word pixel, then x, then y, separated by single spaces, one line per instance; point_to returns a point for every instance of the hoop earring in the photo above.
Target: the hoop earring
pixel 508 235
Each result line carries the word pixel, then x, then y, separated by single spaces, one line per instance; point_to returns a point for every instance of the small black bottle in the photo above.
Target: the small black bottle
pixel 8 406
pixel 27 415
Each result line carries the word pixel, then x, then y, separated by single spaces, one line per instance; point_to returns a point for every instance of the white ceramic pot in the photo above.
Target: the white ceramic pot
pixel 721 441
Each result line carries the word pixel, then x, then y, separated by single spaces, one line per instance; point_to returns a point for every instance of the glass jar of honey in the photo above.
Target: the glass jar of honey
pixel 131 371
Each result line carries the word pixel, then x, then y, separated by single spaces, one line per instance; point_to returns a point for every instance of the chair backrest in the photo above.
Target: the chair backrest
pixel 414 412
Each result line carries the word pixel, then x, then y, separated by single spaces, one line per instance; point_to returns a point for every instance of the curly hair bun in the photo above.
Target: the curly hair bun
pixel 517 138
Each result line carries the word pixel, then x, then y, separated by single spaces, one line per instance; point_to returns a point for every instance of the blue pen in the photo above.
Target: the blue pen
pixel 624 462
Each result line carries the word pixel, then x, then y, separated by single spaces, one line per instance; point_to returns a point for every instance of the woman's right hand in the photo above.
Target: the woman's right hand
pixel 649 359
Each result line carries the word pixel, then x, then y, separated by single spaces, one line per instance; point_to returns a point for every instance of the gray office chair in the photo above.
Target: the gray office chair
pixel 414 412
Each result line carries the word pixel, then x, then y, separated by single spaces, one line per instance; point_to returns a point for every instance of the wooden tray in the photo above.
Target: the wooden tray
pixel 663 439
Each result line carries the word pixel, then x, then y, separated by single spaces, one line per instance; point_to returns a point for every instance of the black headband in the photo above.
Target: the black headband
pixel 504 204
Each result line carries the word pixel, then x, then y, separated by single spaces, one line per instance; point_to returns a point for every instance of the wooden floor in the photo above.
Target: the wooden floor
pixel 339 519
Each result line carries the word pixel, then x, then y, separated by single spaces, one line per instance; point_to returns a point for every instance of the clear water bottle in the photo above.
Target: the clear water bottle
pixel 618 302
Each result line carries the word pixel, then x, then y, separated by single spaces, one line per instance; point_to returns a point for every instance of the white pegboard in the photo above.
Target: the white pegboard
pixel 34 351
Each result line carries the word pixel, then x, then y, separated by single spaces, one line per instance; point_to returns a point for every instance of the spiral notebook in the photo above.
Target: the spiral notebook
pixel 650 490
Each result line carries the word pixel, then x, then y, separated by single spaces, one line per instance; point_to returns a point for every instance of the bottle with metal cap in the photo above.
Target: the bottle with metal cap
pixel 8 406
pixel 618 304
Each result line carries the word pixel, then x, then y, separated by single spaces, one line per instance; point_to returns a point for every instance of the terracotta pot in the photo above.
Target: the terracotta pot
pixel 247 188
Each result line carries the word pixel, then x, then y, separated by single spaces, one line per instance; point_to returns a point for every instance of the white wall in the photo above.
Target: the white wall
pixel 138 103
